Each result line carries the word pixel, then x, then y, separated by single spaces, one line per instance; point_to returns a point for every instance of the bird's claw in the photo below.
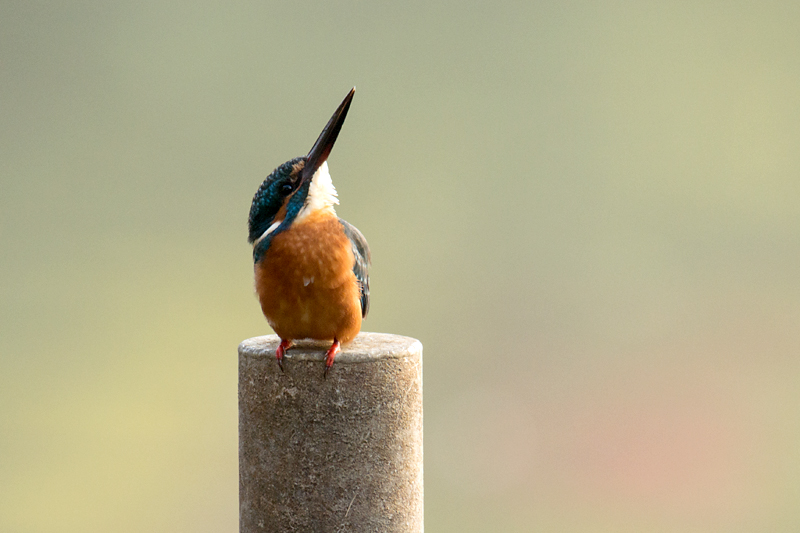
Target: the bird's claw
pixel 329 357
pixel 281 352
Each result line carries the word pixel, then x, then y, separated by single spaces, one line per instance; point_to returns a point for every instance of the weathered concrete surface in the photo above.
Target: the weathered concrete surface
pixel 342 454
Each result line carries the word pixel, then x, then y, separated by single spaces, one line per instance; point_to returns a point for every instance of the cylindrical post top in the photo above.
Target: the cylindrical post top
pixel 336 454
pixel 364 348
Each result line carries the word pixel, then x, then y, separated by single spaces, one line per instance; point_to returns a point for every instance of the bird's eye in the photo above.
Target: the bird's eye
pixel 286 188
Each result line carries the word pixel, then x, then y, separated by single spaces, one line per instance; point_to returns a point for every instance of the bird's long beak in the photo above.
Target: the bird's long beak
pixel 322 148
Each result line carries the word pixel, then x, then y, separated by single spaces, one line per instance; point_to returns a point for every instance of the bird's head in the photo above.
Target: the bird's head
pixel 296 188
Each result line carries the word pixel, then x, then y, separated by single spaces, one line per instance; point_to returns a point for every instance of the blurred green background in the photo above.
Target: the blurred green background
pixel 588 213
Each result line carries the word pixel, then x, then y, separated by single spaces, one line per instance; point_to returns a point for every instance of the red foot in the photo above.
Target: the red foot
pixel 332 351
pixel 281 351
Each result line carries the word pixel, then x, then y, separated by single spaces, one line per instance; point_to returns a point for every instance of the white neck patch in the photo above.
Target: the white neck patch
pixel 321 194
pixel 269 230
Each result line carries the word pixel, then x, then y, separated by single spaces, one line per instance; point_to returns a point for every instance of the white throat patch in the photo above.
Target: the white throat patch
pixel 321 194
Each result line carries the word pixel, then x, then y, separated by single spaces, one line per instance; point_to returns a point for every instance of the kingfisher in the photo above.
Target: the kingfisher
pixel 311 267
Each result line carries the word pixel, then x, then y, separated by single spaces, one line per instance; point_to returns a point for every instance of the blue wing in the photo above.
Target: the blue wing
pixel 361 267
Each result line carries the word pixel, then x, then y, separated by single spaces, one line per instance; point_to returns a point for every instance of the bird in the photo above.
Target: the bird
pixel 311 267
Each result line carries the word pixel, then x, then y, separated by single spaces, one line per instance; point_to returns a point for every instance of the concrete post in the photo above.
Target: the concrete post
pixel 342 454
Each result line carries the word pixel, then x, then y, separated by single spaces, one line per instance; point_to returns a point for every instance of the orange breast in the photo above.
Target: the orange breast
pixel 305 282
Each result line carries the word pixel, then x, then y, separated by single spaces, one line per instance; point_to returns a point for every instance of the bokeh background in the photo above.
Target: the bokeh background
pixel 587 211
